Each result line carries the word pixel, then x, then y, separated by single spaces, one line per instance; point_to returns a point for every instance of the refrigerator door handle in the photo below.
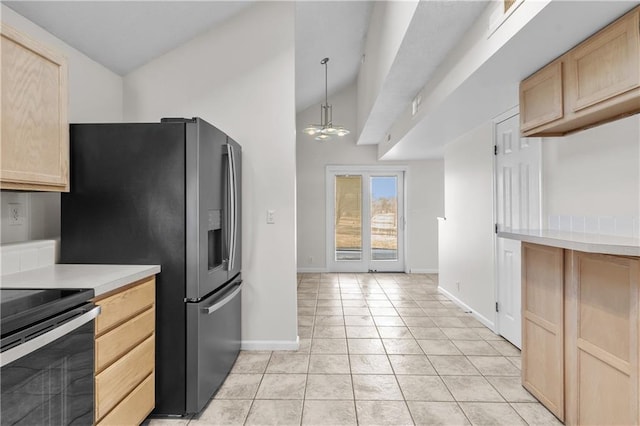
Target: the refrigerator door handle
pixel 216 306
pixel 232 206
pixel 235 207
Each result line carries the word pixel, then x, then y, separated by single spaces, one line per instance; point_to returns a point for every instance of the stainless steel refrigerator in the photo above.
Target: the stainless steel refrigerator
pixel 166 193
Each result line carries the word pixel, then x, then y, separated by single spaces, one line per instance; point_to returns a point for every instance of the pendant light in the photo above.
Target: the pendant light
pixel 325 130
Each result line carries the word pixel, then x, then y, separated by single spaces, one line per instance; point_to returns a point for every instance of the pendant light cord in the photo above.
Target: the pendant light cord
pixel 326 96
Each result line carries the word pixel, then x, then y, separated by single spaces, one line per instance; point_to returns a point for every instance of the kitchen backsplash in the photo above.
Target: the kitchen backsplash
pixel 20 257
pixel 623 226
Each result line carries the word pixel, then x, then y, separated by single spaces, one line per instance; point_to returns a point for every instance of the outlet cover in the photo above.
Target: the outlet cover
pixel 16 214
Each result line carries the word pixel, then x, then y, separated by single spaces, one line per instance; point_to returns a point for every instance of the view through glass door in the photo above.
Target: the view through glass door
pixel 365 219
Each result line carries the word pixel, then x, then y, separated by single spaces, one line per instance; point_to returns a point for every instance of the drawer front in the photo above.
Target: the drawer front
pixel 115 343
pixel 135 407
pixel 114 383
pixel 124 305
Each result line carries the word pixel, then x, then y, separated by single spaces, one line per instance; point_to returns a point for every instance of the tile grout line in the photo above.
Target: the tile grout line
pixel 412 333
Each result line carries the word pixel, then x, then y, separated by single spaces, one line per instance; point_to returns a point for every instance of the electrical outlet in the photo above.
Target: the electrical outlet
pixel 16 214
pixel 310 260
pixel 271 216
pixel 458 285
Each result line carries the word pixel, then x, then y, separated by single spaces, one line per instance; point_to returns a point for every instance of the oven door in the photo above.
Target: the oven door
pixel 47 372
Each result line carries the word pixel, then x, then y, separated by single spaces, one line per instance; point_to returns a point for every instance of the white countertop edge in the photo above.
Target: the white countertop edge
pixel 101 278
pixel 590 243
pixel 131 278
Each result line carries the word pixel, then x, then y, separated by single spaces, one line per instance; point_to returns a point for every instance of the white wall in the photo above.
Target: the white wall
pixel 425 193
pixel 387 28
pixel 466 245
pixel 425 189
pixel 95 95
pixel 592 179
pixel 240 77
pixel 473 51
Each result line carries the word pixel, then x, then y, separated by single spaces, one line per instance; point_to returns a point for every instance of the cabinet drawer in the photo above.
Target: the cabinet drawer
pixel 120 340
pixel 114 383
pixel 124 305
pixel 135 407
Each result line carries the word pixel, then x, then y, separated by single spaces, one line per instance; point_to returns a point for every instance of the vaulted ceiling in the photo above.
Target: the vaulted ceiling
pixel 123 35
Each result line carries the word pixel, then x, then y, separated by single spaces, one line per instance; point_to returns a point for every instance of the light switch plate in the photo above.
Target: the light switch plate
pixel 271 216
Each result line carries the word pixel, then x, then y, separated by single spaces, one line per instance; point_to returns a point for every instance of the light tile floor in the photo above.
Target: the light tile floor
pixel 378 349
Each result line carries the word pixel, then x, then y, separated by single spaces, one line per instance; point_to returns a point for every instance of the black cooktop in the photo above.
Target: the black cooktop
pixel 20 308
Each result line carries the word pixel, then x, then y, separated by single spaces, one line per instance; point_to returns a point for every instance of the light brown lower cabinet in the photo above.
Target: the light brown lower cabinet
pixel 125 355
pixel 601 339
pixel 580 353
pixel 542 325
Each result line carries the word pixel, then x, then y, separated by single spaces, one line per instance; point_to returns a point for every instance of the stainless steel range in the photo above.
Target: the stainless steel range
pixel 46 357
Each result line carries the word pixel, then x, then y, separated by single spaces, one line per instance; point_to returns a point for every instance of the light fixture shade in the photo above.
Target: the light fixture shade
pixel 325 130
pixel 313 129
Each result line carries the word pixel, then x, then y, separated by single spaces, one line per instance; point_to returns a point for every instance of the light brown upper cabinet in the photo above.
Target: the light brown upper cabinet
pixel 508 4
pixel 34 135
pixel 595 82
pixel 541 97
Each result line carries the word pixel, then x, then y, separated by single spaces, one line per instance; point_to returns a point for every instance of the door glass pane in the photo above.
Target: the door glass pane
pixel 348 217
pixel 384 218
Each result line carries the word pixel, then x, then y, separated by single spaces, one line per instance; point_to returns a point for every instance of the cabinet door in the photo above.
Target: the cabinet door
pixel 541 97
pixel 35 130
pixel 605 65
pixel 543 325
pixel 602 340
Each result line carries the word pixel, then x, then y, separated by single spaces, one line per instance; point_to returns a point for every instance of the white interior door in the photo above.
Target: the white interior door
pixel 518 208
pixel 365 219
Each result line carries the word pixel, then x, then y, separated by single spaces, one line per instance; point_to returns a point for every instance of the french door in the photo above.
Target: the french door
pixel 365 219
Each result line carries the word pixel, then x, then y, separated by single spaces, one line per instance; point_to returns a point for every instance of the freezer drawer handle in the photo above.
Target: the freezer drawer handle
pixel 211 309
pixel 30 346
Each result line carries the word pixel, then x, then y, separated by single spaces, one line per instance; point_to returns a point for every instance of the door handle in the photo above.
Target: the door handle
pixel 33 345
pixel 232 206
pixel 235 207
pixel 218 305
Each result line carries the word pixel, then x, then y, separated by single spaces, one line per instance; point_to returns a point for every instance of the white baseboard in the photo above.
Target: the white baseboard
pixel 324 270
pixel 423 271
pixel 311 270
pixel 484 320
pixel 270 345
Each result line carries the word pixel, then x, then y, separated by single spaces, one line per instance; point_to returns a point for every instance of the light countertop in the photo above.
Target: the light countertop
pixel 590 243
pixel 101 278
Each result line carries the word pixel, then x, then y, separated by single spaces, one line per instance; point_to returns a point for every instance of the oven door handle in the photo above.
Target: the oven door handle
pixel 33 345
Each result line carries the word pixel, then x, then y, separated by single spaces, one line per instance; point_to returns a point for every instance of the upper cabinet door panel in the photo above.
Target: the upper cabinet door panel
pixel 541 97
pixel 605 65
pixel 35 130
